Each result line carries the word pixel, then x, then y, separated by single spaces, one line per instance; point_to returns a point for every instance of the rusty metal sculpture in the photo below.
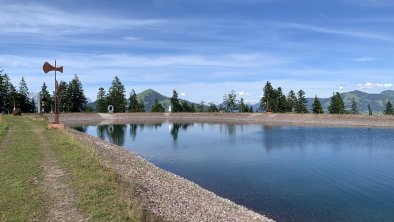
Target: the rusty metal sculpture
pixel 47 68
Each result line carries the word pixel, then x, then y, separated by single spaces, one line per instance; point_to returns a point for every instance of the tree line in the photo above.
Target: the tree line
pixel 274 100
pixel 11 97
pixel 71 98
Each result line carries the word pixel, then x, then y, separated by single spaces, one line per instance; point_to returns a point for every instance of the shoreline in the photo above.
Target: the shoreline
pixel 274 119
pixel 162 194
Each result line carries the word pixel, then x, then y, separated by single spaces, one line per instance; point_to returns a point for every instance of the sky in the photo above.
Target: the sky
pixel 203 49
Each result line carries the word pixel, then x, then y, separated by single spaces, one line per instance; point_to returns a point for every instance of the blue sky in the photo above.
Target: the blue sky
pixel 202 48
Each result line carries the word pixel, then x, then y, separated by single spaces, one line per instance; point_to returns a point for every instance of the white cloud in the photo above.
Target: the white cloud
pixel 183 94
pixel 369 85
pixel 335 31
pixel 131 38
pixel 46 20
pixel 364 59
pixel 242 93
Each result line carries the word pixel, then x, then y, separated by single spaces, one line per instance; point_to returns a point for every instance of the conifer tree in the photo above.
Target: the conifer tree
pixel 389 108
pixel 62 92
pixel 49 100
pixel 282 106
pixel 133 102
pixel 101 102
pixel 212 107
pixel 301 105
pixel 268 102
pixel 291 101
pixel 22 99
pixel 76 96
pixel 337 106
pixel 117 95
pixel 242 106
pixel 230 102
pixel 175 104
pixel 200 107
pixel 141 106
pixel 316 106
pixel 354 106
pixel 157 107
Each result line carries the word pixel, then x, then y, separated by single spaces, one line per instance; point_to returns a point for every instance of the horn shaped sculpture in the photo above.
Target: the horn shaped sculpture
pixel 48 67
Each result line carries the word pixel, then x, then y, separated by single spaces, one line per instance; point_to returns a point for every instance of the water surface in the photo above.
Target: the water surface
pixel 287 173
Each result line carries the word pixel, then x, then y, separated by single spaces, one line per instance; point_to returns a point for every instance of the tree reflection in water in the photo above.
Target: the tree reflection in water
pixel 115 133
pixel 175 127
pixel 134 128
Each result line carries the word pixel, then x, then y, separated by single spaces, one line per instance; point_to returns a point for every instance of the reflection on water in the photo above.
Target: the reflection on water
pixel 288 173
pixel 114 133
pixel 175 127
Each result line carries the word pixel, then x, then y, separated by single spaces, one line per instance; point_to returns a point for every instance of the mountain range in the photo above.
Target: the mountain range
pixel 377 101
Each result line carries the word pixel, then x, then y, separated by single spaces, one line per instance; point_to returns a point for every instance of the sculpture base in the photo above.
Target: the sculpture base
pixel 56 126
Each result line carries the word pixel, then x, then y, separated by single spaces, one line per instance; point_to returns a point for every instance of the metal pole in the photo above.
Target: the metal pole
pixel 56 113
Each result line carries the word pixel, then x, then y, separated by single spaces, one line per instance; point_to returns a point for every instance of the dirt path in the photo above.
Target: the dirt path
pixel 61 198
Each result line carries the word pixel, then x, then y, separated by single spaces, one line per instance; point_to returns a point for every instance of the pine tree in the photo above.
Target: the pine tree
pixel 301 105
pixel 389 108
pixel 8 93
pixel 117 95
pixel 230 102
pixel 212 107
pixel 157 107
pixel 62 92
pixel 354 106
pixel 2 92
pixel 268 102
pixel 49 100
pixel 22 99
pixel 101 102
pixel 76 99
pixel 242 106
pixel 200 107
pixel 282 106
pixel 175 105
pixel 133 102
pixel 337 106
pixel 316 106
pixel 186 107
pixel 291 101
pixel 141 106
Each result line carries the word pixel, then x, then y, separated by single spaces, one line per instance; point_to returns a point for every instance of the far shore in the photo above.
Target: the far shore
pixel 330 120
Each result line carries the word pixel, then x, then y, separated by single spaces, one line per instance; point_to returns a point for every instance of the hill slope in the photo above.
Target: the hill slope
pixel 149 96
pixel 377 101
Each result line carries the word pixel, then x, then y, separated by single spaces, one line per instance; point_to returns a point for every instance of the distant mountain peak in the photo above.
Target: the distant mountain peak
pixel 385 92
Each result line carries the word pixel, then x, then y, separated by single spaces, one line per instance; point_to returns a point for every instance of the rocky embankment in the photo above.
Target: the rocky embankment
pixel 164 195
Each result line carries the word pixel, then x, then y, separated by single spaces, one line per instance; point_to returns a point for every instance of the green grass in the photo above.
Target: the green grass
pixel 22 195
pixel 20 171
pixel 98 187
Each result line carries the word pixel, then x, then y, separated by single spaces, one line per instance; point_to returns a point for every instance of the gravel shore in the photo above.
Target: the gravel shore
pixel 165 195
pixel 172 198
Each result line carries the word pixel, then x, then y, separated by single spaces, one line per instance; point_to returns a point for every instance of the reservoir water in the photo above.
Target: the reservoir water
pixel 287 173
